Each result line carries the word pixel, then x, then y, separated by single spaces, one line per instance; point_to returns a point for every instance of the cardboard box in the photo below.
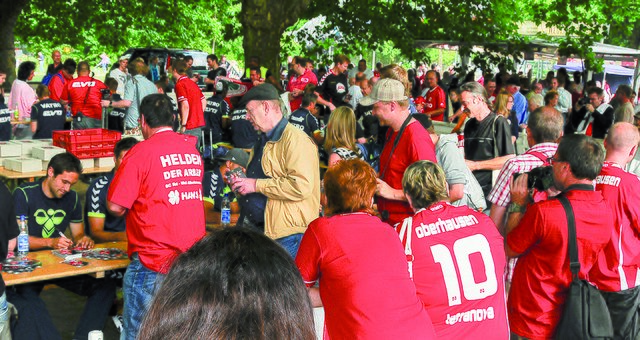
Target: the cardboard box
pixel 104 162
pixel 24 164
pixel 45 142
pixel 4 159
pixel 27 145
pixel 45 153
pixel 87 163
pixel 8 149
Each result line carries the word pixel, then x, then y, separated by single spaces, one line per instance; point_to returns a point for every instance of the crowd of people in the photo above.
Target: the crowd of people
pixel 347 197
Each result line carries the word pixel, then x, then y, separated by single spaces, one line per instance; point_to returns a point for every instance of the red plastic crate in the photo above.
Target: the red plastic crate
pixel 88 143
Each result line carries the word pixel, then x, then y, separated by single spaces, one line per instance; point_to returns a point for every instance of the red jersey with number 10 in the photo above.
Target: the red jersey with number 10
pixel 458 269
pixel 617 266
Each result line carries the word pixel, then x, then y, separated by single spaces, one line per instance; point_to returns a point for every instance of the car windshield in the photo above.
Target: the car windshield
pixel 199 59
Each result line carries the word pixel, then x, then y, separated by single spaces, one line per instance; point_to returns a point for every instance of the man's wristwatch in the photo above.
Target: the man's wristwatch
pixel 515 207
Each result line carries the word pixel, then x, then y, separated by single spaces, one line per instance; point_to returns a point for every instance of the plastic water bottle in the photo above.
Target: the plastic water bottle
pixel 225 215
pixel 23 238
pixel 16 112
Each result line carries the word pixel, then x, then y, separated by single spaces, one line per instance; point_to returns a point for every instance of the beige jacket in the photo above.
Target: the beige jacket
pixel 293 187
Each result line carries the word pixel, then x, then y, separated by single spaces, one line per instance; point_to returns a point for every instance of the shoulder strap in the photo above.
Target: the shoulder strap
pixel 493 136
pixel 395 144
pixel 86 96
pixel 405 237
pixel 539 155
pixel 574 263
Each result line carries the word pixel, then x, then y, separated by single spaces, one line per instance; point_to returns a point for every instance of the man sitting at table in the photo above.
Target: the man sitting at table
pixel 102 226
pixel 215 184
pixel 51 207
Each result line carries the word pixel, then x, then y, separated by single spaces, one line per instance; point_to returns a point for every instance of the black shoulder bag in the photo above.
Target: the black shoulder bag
pixel 585 314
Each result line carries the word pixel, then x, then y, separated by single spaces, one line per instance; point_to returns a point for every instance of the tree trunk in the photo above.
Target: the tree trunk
pixel 9 12
pixel 263 23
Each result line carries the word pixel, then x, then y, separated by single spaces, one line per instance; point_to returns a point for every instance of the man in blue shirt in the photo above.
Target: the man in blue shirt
pixel 520 105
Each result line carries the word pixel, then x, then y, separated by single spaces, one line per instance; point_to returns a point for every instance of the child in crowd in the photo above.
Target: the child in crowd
pixel 47 115
pixel 115 121
pixel 5 113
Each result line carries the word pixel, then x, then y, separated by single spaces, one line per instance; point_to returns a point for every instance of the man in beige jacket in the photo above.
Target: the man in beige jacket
pixel 282 190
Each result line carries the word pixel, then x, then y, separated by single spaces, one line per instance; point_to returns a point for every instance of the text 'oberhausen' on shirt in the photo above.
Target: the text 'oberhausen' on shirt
pixel 445 225
pixel 180 159
pixel 608 180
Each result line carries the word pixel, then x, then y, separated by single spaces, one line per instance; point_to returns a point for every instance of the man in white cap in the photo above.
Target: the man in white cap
pixel 120 73
pixel 406 142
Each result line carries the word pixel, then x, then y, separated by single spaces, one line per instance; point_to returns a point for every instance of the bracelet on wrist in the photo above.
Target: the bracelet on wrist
pixel 515 207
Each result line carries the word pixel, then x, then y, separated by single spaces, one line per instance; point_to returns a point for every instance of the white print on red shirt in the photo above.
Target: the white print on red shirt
pixel 180 176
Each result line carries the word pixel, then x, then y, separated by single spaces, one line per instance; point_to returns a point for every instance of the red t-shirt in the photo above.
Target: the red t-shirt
pixel 188 90
pixel 299 83
pixel 617 266
pixel 436 99
pixel 160 182
pixel 542 276
pixel 75 91
pixel 364 284
pixel 414 145
pixel 458 270
pixel 56 85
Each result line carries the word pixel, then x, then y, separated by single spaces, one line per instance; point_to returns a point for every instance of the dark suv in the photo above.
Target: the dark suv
pixel 166 55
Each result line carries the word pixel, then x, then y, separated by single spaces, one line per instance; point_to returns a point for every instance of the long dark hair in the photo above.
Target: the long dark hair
pixel 233 284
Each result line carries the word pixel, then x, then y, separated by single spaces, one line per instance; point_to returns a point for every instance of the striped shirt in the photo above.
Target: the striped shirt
pixel 500 194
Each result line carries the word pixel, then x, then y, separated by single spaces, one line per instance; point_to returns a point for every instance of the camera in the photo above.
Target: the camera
pixel 583 101
pixel 540 178
pixel 106 94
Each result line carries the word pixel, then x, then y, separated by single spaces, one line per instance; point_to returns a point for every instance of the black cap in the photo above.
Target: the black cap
pixel 513 80
pixel 237 156
pixel 423 119
pixel 260 92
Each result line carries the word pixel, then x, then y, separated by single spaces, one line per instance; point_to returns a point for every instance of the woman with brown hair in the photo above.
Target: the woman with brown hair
pixel 340 138
pixel 233 284
pixel 361 267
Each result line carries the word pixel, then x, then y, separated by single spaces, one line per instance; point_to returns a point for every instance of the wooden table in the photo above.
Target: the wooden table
pixel 52 268
pixel 215 216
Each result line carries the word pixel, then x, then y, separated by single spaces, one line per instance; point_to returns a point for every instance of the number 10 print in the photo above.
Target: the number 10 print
pixel 462 249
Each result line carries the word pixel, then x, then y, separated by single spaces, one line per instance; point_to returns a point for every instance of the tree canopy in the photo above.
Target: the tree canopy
pixel 348 26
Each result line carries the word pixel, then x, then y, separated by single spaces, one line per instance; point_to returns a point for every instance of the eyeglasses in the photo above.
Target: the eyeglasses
pixel 552 160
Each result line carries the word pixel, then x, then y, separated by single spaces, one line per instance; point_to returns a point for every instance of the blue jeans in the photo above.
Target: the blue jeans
pixel 4 318
pixel 140 283
pixel 291 244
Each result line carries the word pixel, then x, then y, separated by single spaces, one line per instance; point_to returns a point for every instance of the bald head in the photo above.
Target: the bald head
pixel 622 137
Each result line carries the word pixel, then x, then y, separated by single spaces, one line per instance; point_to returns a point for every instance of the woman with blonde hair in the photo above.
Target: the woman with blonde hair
pixel 340 138
pixel 503 106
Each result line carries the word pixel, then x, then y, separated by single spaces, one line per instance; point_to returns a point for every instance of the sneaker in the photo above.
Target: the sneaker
pixel 118 322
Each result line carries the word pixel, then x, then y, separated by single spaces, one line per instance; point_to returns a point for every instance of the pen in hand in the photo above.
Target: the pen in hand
pixel 66 242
